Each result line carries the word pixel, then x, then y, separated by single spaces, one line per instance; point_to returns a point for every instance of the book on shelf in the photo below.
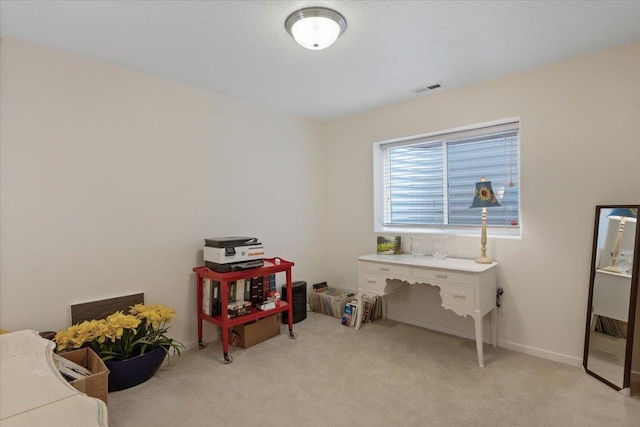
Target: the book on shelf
pixel 206 296
pixel 272 283
pixel 210 297
pixel 245 286
pixel 240 290
pixel 214 309
pixel 256 291
pixel 231 292
pixel 238 308
pixel 247 289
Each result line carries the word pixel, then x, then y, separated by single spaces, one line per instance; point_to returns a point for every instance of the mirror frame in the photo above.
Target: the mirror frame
pixel 626 383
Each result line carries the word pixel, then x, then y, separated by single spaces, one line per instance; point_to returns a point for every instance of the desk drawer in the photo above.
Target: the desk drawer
pixel 458 296
pixel 387 269
pixel 373 282
pixel 443 276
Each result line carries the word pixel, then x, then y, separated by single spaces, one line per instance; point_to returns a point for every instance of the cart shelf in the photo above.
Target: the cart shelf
pixel 271 266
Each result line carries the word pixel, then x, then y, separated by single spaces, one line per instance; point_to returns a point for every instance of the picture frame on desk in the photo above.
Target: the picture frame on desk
pixel 389 245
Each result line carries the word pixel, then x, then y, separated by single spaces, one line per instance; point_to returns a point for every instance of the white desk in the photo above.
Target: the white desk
pixel 611 296
pixel 33 392
pixel 466 287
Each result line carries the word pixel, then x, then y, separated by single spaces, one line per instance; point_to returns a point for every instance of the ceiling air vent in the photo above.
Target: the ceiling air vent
pixel 428 88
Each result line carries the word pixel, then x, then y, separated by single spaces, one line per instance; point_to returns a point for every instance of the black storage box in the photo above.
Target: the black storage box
pixel 299 304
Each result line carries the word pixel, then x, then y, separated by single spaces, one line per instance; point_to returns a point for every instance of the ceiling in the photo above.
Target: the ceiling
pixel 389 49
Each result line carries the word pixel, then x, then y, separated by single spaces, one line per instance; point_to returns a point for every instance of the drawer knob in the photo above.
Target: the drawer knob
pixel 459 296
pixel 371 281
pixel 441 276
pixel 384 268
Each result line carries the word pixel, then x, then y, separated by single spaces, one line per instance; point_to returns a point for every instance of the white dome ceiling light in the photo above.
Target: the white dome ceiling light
pixel 315 27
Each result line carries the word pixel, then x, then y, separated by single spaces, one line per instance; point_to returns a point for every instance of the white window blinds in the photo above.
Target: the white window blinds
pixel 431 181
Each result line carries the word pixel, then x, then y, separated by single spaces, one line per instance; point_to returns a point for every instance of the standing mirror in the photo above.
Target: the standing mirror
pixel 613 293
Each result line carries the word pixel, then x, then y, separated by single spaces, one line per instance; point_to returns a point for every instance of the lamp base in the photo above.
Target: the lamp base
pixel 484 260
pixel 612 269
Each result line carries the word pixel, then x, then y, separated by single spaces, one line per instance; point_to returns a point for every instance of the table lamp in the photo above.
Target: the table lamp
pixel 623 215
pixel 484 198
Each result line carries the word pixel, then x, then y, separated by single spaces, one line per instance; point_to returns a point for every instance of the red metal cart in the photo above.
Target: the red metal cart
pixel 271 266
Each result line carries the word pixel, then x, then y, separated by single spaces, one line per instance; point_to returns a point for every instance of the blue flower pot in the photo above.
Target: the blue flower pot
pixel 131 372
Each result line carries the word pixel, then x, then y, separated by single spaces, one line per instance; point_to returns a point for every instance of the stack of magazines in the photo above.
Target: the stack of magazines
pixel 70 370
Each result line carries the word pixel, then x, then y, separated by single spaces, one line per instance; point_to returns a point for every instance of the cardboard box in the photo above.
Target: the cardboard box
pixel 96 385
pixel 250 334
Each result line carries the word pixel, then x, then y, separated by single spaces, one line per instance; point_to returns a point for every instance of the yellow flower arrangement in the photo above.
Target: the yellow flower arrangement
pixel 123 336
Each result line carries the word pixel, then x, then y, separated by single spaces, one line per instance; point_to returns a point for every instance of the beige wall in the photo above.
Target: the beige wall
pixel 111 179
pixel 580 146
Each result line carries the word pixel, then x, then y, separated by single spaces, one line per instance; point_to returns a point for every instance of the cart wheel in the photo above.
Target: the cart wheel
pixel 227 359
pixel 292 335
pixel 202 345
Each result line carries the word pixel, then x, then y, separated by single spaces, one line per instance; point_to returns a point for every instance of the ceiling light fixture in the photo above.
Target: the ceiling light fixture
pixel 315 27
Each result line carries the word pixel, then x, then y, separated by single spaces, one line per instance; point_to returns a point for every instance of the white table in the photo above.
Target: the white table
pixel 32 390
pixel 611 296
pixel 466 287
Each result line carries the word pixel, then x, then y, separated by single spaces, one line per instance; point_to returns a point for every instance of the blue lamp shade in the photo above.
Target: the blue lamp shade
pixel 484 196
pixel 619 213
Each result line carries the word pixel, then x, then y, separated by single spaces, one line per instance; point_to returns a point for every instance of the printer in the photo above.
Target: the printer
pixel 224 254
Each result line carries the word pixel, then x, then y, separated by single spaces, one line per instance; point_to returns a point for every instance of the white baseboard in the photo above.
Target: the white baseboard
pixel 545 354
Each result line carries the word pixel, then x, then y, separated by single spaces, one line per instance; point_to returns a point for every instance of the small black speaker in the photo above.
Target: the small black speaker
pixel 299 304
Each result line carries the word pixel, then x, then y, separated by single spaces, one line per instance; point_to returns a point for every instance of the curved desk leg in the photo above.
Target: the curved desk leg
pixel 477 318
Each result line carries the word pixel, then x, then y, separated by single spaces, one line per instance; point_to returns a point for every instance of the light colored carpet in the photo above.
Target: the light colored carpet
pixel 385 374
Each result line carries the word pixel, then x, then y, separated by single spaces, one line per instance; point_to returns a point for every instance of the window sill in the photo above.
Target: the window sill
pixel 500 233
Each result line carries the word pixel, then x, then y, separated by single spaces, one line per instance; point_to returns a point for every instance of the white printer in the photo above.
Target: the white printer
pixel 224 254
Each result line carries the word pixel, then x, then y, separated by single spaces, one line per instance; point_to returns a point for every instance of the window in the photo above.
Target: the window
pixel 428 182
